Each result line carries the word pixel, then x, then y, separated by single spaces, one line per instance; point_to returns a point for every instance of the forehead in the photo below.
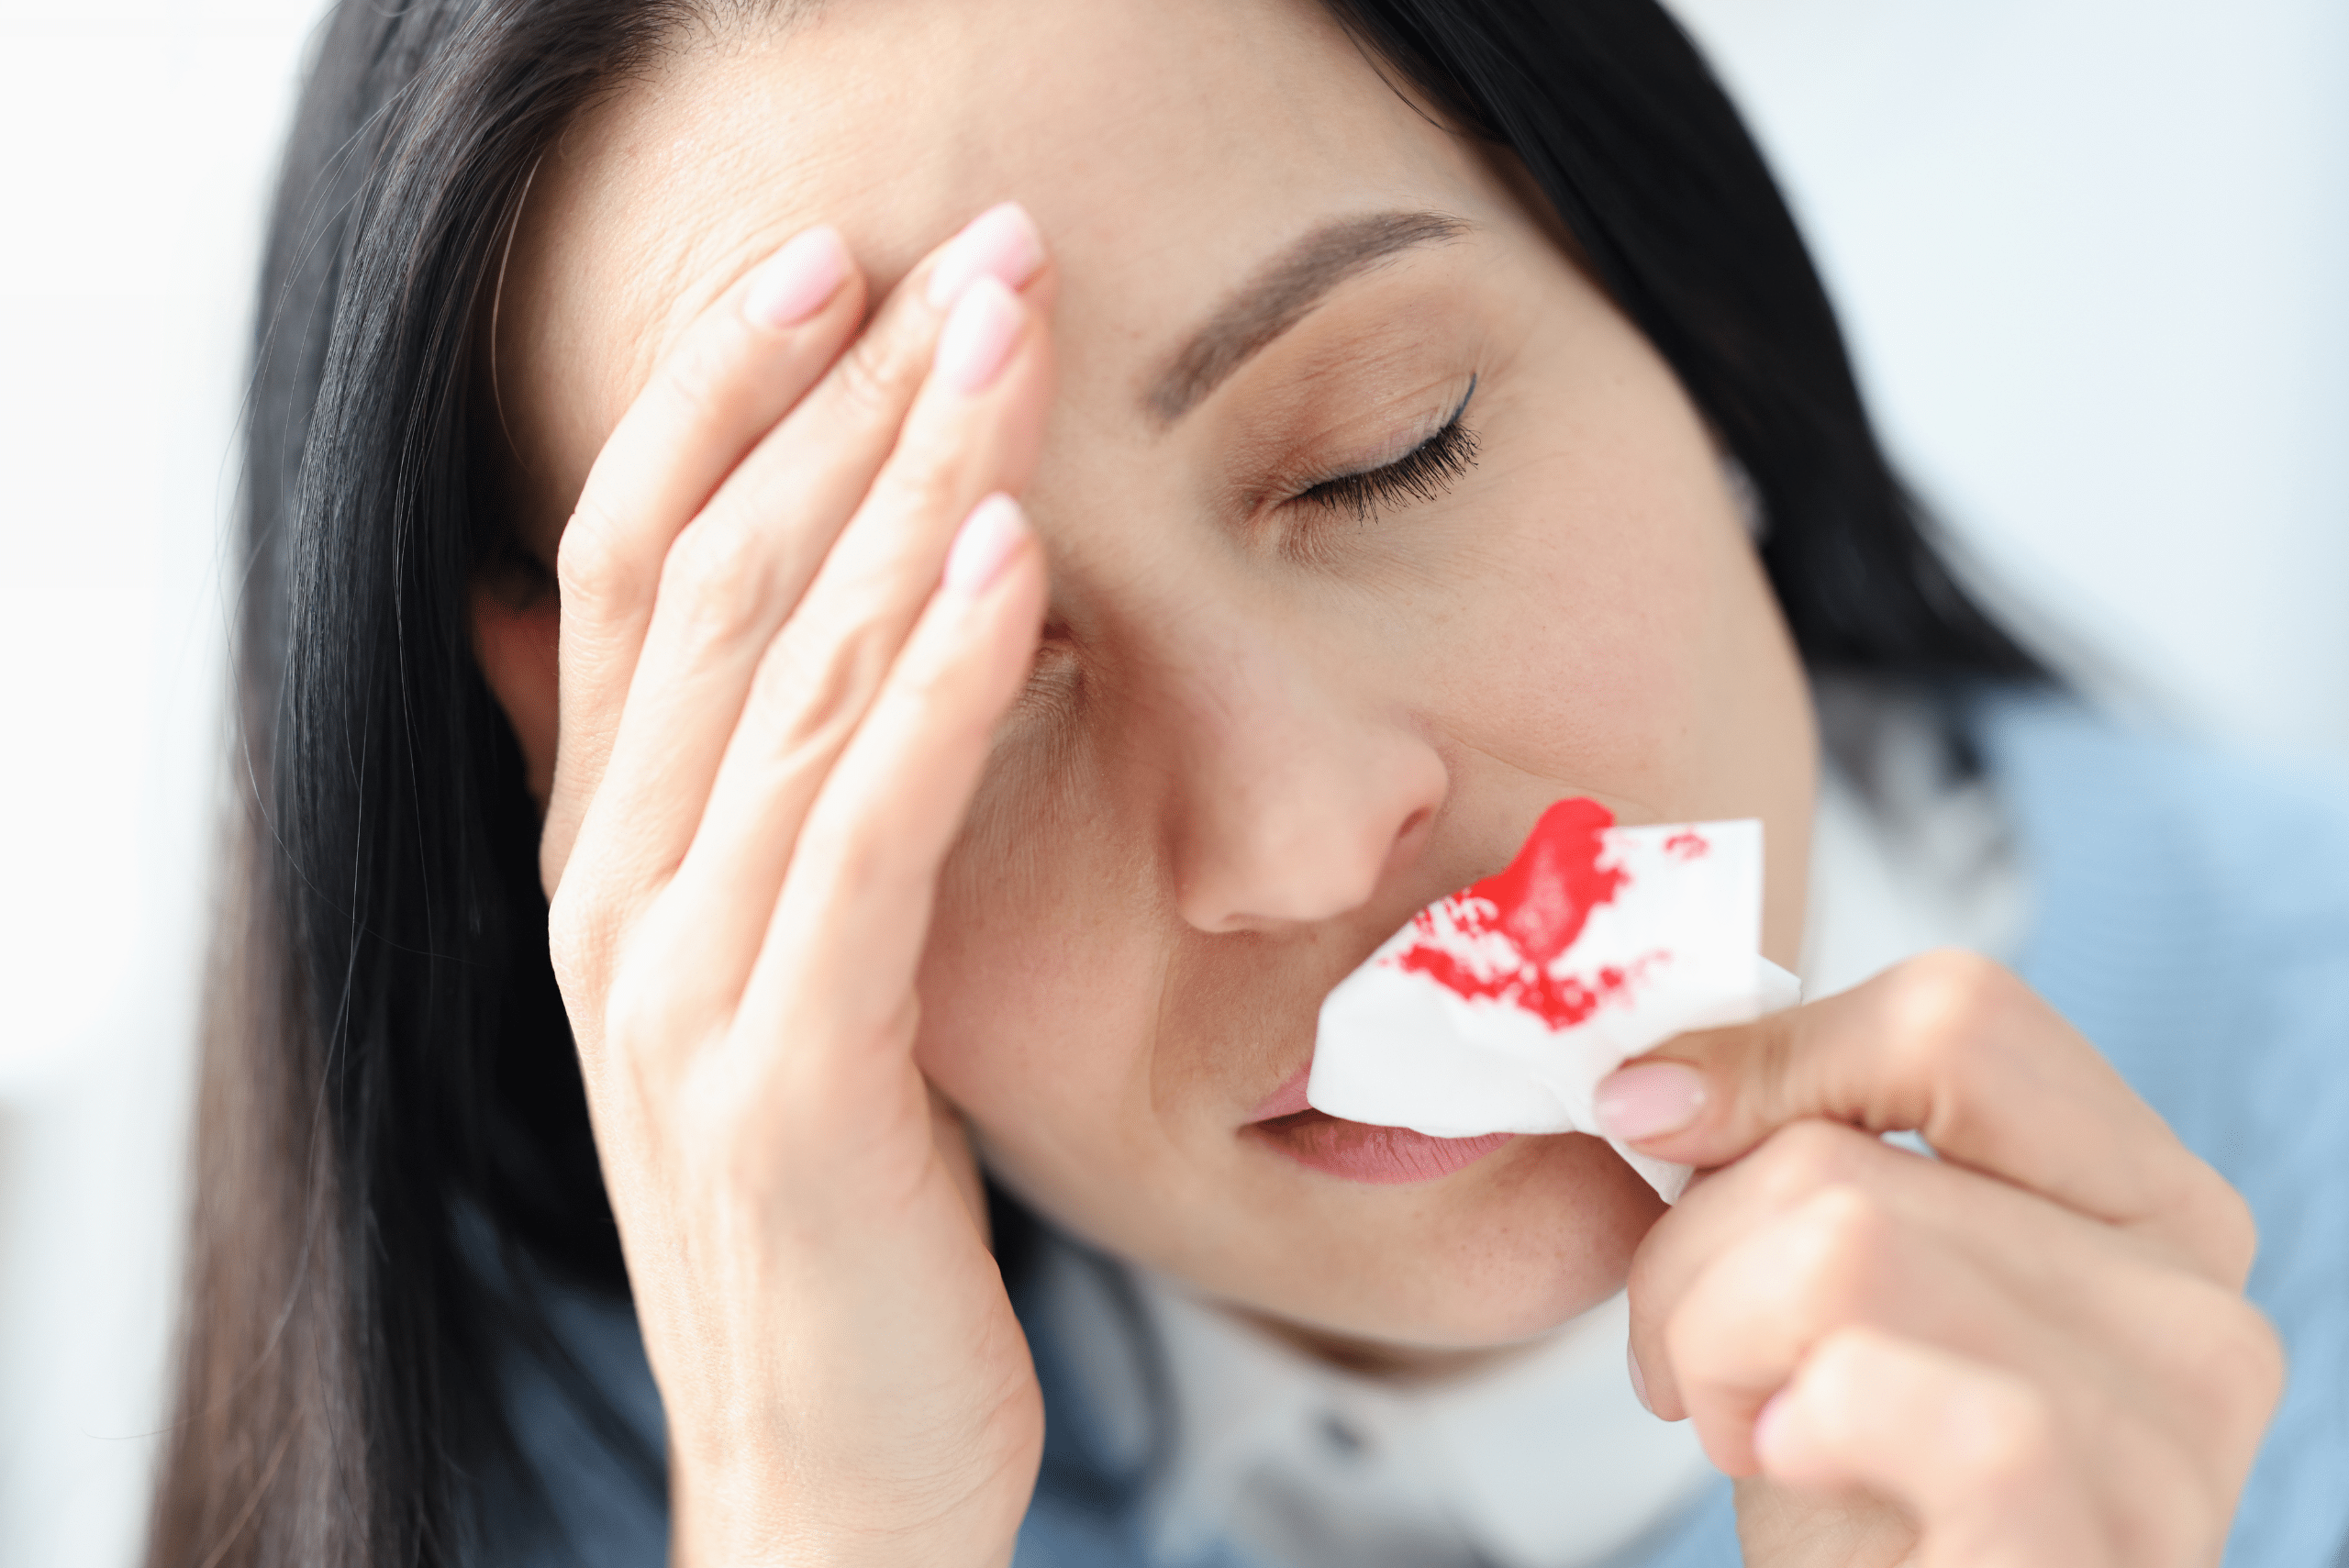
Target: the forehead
pixel 1165 150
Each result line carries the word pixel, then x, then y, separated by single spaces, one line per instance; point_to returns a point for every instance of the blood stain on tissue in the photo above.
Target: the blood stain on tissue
pixel 1688 844
pixel 1538 906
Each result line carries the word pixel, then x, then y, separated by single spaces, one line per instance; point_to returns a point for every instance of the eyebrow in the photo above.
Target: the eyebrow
pixel 1282 294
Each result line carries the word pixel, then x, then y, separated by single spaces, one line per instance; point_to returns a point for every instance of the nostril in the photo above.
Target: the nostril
pixel 1410 839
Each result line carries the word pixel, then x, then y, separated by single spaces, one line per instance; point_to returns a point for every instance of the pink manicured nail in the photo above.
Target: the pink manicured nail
pixel 793 283
pixel 984 543
pixel 978 335
pixel 1639 1383
pixel 1001 243
pixel 1648 1099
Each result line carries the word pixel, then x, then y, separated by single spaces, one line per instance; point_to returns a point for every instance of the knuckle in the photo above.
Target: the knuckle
pixel 1845 1224
pixel 2241 1365
pixel 2004 1434
pixel 2268 1366
pixel 1800 1159
pixel 2222 1221
pixel 1947 1014
pixel 700 376
pixel 873 379
pixel 1958 974
pixel 1698 1372
pixel 1837 1383
pixel 1648 1284
pixel 738 1173
pixel 864 854
pixel 1943 1007
pixel 817 694
pixel 635 1010
pixel 627 1008
pixel 1687 1339
pixel 935 691
pixel 927 481
pixel 583 941
pixel 572 943
pixel 590 565
pixel 711 577
pixel 1839 1242
pixel 2237 1222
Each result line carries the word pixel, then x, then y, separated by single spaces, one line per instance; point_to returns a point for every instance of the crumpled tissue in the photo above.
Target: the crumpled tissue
pixel 1499 1008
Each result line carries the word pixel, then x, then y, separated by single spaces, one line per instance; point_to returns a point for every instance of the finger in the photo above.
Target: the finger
pixel 744 362
pixel 2162 1383
pixel 974 429
pixel 834 977
pixel 1955 1048
pixel 1839 1260
pixel 712 593
pixel 1978 1456
pixel 1724 1209
pixel 1847 1213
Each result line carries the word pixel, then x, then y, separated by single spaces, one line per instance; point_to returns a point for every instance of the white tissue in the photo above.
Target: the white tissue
pixel 1669 929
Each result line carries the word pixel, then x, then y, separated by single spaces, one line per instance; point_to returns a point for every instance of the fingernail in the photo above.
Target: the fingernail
pixel 1002 243
pixel 978 336
pixel 1648 1099
pixel 984 543
pixel 793 283
pixel 1639 1384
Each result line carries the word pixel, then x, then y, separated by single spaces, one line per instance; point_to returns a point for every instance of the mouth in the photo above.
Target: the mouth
pixel 1358 1151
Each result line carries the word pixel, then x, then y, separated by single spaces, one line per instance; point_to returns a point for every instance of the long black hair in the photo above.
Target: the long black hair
pixel 393 1131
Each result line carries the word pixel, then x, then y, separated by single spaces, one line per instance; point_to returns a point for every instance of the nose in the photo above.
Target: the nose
pixel 1297 795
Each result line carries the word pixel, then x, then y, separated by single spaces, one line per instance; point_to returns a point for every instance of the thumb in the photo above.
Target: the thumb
pixel 1948 1045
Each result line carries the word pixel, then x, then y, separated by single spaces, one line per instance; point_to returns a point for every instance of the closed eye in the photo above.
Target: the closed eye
pixel 1423 473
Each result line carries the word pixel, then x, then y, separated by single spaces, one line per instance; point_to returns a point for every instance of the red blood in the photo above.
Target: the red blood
pixel 1560 1001
pixel 1539 905
pixel 1542 899
pixel 1688 844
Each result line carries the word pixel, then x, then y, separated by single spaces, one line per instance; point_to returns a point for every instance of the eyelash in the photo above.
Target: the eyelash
pixel 1423 473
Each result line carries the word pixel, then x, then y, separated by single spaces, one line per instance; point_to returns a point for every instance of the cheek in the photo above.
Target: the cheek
pixel 1587 655
pixel 1037 985
pixel 1632 646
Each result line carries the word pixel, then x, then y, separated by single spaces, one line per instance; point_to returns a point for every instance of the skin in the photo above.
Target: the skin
pixel 845 860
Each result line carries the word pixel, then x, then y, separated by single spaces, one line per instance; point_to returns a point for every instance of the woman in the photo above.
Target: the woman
pixel 1427 412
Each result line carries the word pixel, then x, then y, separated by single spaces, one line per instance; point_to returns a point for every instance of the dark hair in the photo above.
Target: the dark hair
pixel 388 1070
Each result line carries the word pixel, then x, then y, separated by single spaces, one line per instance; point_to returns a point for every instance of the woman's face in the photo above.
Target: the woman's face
pixel 1267 722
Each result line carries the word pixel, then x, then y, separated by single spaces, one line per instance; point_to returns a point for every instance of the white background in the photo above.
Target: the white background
pixel 2091 252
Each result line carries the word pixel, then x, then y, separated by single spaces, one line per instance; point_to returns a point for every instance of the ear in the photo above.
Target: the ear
pixel 517 636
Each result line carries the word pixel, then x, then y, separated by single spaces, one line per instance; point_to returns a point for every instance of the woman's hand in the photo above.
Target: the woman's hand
pixel 2034 1350
pixel 781 663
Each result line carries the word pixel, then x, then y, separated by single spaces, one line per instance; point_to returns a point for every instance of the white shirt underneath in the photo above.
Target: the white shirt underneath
pixel 1543 1459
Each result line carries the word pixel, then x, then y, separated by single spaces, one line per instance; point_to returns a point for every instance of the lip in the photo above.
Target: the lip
pixel 1355 1150
pixel 1287 1100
